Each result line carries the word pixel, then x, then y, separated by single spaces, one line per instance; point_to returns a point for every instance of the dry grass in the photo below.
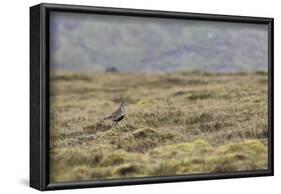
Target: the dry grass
pixel 177 123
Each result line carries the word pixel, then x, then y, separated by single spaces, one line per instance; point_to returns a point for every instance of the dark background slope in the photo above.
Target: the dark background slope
pixel 83 42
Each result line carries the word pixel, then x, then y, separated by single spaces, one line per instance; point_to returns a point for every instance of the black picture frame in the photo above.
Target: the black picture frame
pixel 39 95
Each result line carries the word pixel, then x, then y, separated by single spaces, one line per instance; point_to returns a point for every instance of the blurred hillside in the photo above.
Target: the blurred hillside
pixel 83 42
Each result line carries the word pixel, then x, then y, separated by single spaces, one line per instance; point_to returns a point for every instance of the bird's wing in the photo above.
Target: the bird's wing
pixel 117 113
pixel 114 114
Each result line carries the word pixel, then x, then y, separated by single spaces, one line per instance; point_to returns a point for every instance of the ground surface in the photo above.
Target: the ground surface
pixel 177 123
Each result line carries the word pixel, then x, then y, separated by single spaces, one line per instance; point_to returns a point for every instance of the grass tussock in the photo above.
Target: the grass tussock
pixel 181 158
pixel 176 123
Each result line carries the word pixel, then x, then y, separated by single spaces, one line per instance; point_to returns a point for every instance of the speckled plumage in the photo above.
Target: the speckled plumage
pixel 118 115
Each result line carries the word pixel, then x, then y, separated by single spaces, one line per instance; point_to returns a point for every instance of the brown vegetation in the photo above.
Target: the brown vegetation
pixel 176 123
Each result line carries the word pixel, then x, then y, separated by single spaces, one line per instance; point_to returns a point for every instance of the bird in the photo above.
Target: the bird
pixel 118 115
